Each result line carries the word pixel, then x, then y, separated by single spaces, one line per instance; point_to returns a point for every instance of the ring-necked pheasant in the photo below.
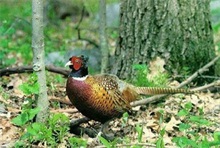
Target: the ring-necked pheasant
pixel 104 96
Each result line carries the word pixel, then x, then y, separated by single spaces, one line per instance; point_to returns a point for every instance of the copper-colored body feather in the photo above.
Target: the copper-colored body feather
pixel 103 97
pixel 100 97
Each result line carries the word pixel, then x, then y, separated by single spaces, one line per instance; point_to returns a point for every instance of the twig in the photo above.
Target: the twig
pixel 78 30
pixel 200 71
pixel 71 110
pixel 64 101
pixel 131 144
pixel 58 70
pixel 200 76
pixel 147 100
pixel 14 110
pixel 207 86
pixel 89 41
pixel 187 81
pixel 81 18
pixel 29 69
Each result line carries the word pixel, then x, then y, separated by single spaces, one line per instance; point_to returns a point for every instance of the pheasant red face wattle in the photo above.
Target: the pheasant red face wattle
pixel 77 63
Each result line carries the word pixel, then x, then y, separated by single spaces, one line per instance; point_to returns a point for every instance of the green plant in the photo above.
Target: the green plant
pixel 195 119
pixel 4 47
pixel 125 117
pixel 184 141
pixel 160 141
pixel 161 116
pixel 105 142
pixel 31 86
pixel 185 71
pixel 15 31
pixel 141 71
pixel 59 124
pixel 109 144
pixel 197 122
pixel 25 116
pixel 139 130
pixel 51 133
pixel 161 80
pixel 77 142
pixel 141 75
pixel 186 110
pixel 39 132
pixel 3 94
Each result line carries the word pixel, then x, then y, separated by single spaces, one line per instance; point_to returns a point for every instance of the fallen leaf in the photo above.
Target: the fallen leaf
pixel 171 124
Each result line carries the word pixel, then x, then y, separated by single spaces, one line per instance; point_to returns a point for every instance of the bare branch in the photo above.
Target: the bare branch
pixel 207 86
pixel 70 110
pixel 149 145
pixel 64 101
pixel 200 71
pixel 29 69
pixel 187 81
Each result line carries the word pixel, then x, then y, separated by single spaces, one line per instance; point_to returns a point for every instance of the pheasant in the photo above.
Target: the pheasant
pixel 103 97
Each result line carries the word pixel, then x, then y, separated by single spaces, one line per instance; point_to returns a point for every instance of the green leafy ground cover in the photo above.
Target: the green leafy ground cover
pixel 180 120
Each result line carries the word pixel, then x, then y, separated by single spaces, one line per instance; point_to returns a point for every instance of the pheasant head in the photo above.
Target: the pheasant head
pixel 78 65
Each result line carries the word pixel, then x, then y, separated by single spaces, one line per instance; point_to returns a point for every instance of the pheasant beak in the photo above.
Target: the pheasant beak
pixel 68 64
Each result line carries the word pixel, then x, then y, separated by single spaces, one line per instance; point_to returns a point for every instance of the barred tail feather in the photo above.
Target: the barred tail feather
pixel 156 90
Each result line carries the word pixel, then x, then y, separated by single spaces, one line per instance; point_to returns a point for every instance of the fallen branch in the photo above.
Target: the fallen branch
pixel 187 81
pixel 131 144
pixel 29 69
pixel 64 101
pixel 70 111
pixel 198 72
pixel 207 86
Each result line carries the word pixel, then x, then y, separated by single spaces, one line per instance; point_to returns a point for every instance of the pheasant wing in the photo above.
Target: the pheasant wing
pixel 110 84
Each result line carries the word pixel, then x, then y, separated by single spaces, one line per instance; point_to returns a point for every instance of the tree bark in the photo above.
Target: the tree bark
pixel 38 58
pixel 178 31
pixel 103 39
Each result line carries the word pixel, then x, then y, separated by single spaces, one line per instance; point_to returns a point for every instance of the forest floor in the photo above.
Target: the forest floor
pixel 194 116
pixel 180 120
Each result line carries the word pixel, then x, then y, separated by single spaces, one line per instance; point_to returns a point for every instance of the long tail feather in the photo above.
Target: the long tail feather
pixel 156 90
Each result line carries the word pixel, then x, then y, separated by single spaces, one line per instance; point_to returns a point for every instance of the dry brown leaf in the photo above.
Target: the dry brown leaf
pixel 148 134
pixel 17 91
pixel 167 139
pixel 153 124
pixel 8 131
pixel 156 67
pixel 171 124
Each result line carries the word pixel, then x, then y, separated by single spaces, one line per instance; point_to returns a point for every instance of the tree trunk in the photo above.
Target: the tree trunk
pixel 178 31
pixel 103 39
pixel 38 58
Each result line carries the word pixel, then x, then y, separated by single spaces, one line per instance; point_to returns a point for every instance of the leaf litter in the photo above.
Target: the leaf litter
pixel 152 117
